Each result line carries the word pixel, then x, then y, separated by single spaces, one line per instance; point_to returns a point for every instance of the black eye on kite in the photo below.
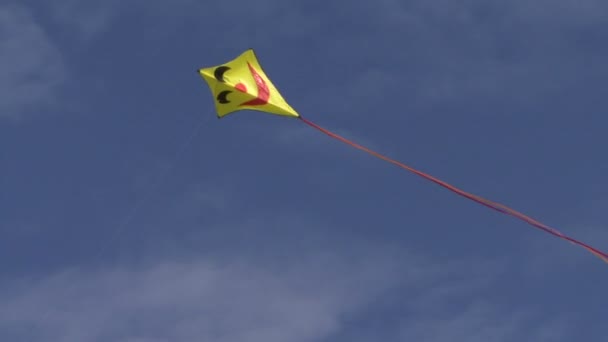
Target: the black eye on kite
pixel 222 97
pixel 219 73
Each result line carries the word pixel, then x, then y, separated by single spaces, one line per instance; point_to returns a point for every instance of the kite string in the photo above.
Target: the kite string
pixel 492 205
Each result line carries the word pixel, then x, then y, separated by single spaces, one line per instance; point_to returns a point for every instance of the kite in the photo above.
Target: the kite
pixel 242 84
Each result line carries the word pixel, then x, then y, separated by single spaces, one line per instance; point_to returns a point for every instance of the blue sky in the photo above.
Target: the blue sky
pixel 115 225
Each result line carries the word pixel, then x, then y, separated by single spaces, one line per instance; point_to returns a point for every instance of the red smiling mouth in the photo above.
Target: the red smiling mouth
pixel 263 91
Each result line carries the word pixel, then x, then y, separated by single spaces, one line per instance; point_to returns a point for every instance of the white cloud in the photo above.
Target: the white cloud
pixel 551 254
pixel 85 18
pixel 462 304
pixel 479 321
pixel 91 18
pixel 490 52
pixel 204 300
pixel 31 67
pixel 240 298
pixel 295 293
pixel 474 52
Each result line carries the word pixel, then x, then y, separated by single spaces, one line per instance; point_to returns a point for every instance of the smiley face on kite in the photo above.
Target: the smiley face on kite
pixel 242 84
pixel 263 93
pixel 238 79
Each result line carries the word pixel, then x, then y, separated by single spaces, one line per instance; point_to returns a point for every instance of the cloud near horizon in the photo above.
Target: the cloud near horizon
pixel 199 300
pixel 31 66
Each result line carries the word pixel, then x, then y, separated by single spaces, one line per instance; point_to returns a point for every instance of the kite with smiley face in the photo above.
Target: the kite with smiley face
pixel 242 84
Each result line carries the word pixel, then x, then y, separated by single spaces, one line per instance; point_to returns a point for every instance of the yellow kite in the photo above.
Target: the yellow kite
pixel 242 84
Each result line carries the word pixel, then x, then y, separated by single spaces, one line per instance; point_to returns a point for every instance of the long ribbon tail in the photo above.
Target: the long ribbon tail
pixel 493 205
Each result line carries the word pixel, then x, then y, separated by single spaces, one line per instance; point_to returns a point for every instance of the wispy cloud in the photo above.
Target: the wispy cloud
pixel 31 66
pixel 549 254
pixel 474 52
pixel 462 305
pixel 85 19
pixel 480 321
pixel 279 279
pixel 516 52
pixel 91 18
pixel 312 296
pixel 202 300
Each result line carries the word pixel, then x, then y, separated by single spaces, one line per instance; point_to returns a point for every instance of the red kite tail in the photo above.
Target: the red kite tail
pixel 493 205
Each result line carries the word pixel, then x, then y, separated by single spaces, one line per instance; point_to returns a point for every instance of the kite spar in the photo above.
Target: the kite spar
pixel 242 84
